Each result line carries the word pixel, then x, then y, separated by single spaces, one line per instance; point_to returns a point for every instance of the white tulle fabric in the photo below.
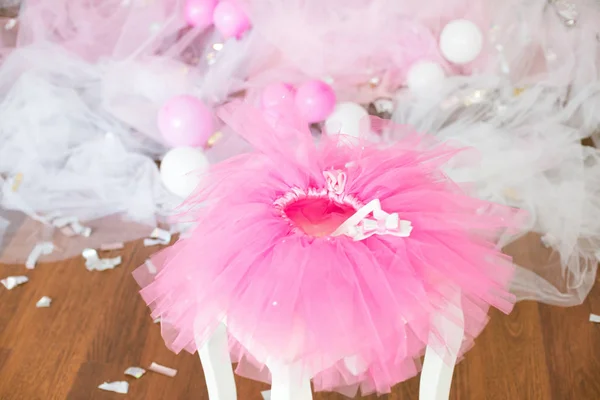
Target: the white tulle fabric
pixel 62 154
pixel 532 159
pixel 80 86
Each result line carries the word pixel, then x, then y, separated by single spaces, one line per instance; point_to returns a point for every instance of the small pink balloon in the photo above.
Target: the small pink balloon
pixel 185 121
pixel 230 19
pixel 315 101
pixel 277 94
pixel 199 13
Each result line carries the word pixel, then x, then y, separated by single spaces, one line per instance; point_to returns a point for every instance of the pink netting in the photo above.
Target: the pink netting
pixel 316 300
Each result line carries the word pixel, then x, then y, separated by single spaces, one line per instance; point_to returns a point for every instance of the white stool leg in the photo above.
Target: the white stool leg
pixel 217 367
pixel 289 383
pixel 436 377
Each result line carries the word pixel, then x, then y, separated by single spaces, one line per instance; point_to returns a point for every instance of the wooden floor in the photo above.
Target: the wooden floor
pixel 98 326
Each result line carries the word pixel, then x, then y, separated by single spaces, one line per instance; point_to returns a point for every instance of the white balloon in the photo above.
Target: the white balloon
pixel 180 169
pixel 424 76
pixel 347 118
pixel 461 41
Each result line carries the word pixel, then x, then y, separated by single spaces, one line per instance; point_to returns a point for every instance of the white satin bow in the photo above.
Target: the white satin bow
pixel 359 227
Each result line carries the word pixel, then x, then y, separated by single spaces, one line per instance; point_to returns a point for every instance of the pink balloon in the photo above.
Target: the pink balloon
pixel 199 13
pixel 315 101
pixel 185 121
pixel 277 94
pixel 230 19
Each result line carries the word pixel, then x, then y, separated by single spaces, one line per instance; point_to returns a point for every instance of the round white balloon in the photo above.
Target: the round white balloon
pixel 461 41
pixel 180 170
pixel 423 76
pixel 347 119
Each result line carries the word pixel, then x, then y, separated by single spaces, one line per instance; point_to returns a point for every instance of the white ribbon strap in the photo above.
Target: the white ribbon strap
pixel 359 227
pixel 335 181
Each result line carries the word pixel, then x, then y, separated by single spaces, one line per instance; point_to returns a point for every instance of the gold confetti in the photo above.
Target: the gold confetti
pixel 512 194
pixel 518 91
pixel 213 139
pixel 17 182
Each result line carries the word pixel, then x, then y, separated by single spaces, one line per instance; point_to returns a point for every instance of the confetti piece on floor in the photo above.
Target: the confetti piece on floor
pixel 136 372
pixel 95 263
pixel 266 395
pixel 40 249
pixel 117 387
pixel 70 226
pixel 112 246
pixel 158 236
pixel 157 320
pixel 151 267
pixel 161 369
pixel 13 281
pixel 595 318
pixel 43 302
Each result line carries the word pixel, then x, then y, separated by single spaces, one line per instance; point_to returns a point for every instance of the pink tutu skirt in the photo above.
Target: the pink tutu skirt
pixel 267 254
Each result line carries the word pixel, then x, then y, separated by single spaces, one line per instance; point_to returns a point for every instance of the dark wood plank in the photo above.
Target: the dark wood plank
pixel 573 345
pixel 508 360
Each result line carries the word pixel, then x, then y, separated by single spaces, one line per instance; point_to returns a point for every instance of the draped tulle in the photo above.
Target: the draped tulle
pixel 80 87
pixel 318 301
pixel 533 159
pixel 380 39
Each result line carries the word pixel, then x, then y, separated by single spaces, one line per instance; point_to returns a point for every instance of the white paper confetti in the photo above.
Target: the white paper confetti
pixel 40 249
pixel 112 246
pixel 44 302
pixel 136 372
pixel 161 369
pixel 151 267
pixel 95 263
pixel 157 320
pixel 266 395
pixel 13 281
pixel 595 318
pixel 71 226
pixel 117 387
pixel 158 237
pixel 11 23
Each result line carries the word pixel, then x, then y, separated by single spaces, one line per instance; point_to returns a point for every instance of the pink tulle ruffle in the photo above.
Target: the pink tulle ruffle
pixel 317 300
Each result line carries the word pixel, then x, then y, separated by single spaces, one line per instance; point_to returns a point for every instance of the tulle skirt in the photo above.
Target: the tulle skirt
pixel 352 314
